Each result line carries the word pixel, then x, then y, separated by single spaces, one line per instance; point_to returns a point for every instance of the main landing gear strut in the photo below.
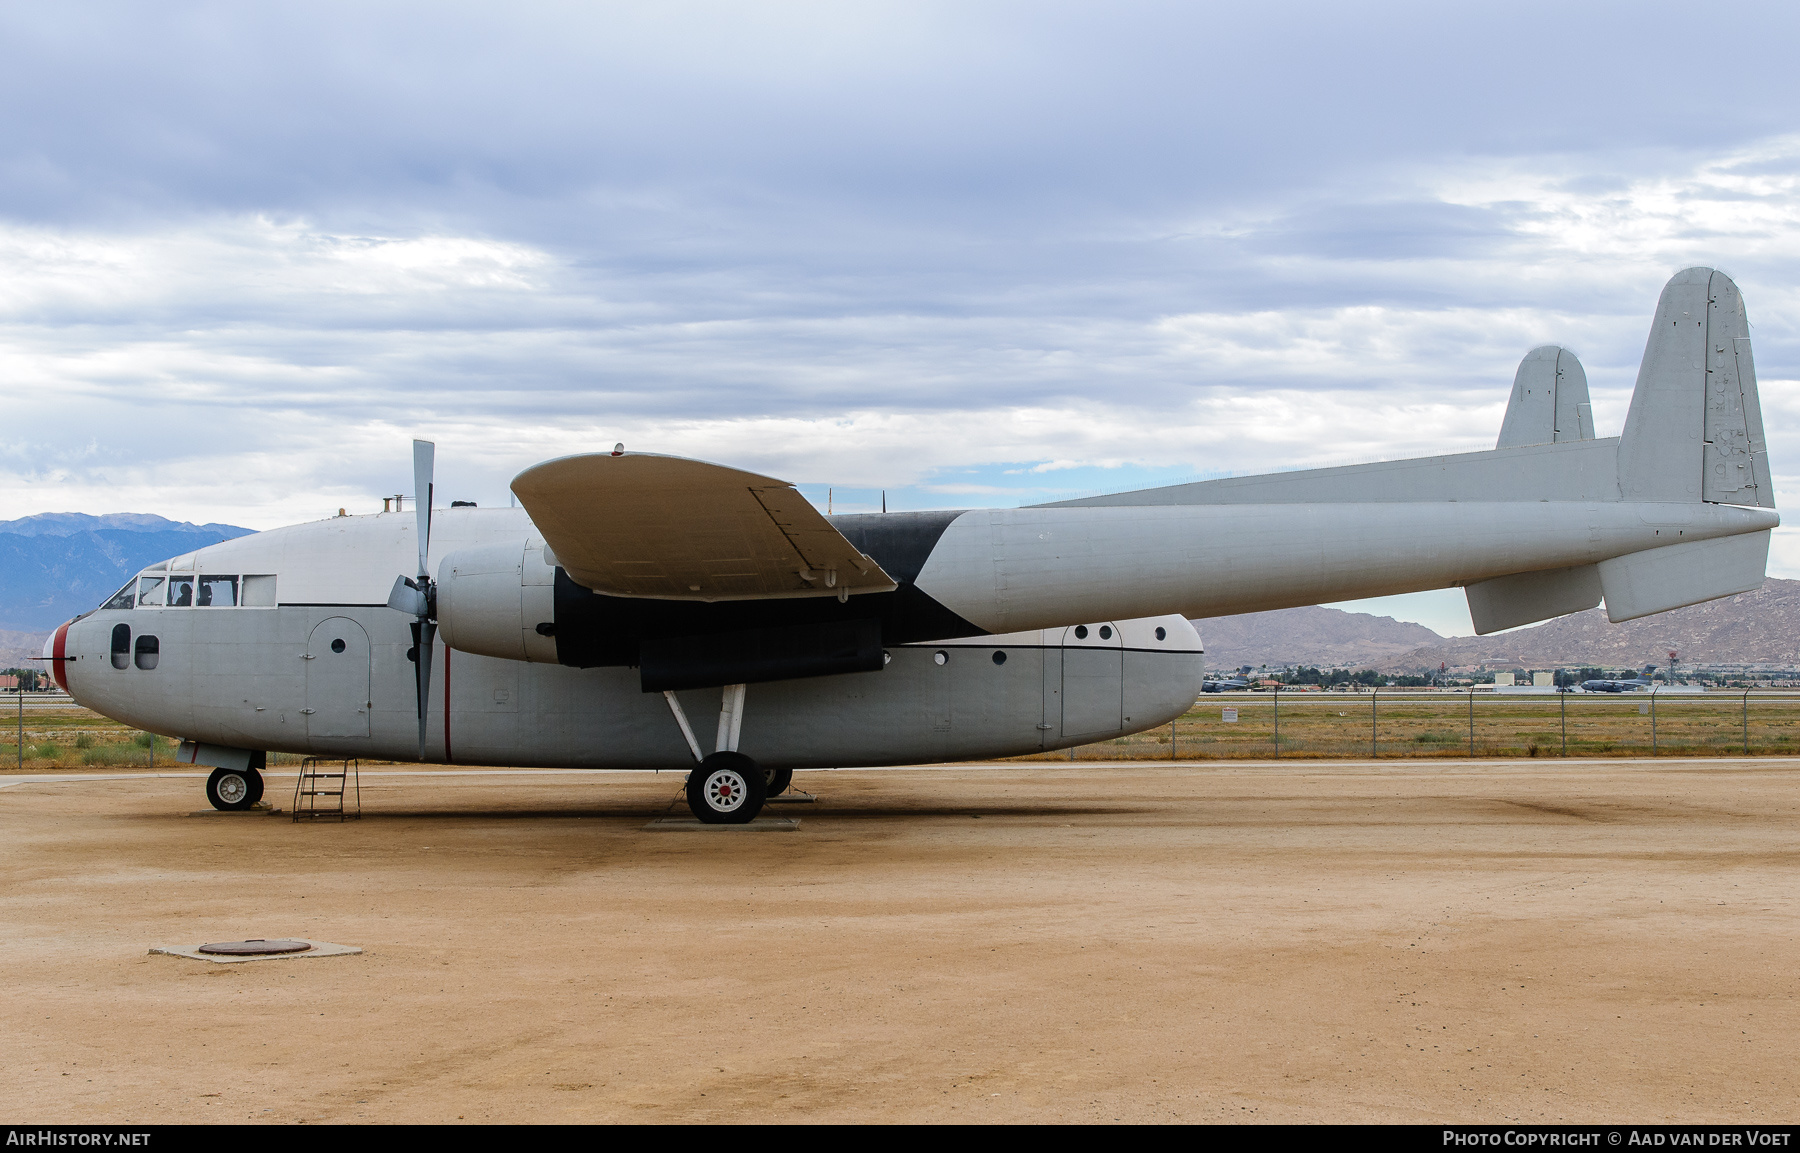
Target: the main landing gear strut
pixel 727 788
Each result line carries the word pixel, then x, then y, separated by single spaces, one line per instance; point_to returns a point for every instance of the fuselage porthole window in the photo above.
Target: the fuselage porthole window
pixel 151 590
pixel 1081 632
pixel 121 646
pixel 999 656
pixel 148 649
pixel 181 591
pixel 337 646
pixel 1162 634
pixel 1106 632
pixel 217 592
pixel 941 657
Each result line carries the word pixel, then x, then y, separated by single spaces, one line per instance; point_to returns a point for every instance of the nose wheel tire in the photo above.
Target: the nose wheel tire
pixel 776 781
pixel 233 790
pixel 726 789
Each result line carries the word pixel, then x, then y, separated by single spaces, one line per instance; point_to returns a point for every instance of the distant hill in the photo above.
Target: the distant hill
pixel 55 565
pixel 1328 638
pixel 1757 628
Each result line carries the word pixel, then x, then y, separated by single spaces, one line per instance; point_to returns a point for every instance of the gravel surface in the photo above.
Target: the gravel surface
pixel 1414 942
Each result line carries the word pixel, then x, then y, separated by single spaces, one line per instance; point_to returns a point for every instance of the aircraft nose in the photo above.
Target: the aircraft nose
pixel 56 647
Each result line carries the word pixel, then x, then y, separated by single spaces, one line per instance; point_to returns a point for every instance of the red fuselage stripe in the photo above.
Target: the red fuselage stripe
pixel 446 704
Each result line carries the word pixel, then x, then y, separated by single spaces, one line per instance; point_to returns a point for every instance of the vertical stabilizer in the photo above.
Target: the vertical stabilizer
pixel 1694 431
pixel 1549 400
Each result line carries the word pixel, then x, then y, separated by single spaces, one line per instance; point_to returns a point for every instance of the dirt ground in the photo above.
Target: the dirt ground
pixel 1412 942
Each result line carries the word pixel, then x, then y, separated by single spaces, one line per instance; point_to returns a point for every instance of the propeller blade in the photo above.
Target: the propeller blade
pixel 424 455
pixel 424 636
pixel 406 597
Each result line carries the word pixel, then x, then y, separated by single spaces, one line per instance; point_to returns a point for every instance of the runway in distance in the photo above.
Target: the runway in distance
pixel 646 611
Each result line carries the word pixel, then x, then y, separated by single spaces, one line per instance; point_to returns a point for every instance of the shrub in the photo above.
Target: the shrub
pixel 109 755
pixel 84 740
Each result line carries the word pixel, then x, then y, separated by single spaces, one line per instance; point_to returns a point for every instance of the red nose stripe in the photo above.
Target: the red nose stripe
pixel 58 657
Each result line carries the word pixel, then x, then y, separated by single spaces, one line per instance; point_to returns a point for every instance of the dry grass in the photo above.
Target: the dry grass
pixel 1313 725
pixel 1432 725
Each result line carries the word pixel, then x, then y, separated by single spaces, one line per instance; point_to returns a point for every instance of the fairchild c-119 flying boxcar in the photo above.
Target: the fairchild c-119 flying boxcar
pixel 634 599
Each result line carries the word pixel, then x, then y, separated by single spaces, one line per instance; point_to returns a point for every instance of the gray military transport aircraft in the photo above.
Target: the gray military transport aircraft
pixel 634 594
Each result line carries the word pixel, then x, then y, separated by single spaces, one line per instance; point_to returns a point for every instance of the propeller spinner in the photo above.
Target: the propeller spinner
pixel 415 595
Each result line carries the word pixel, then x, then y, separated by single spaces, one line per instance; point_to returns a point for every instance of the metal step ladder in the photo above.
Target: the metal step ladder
pixel 323 787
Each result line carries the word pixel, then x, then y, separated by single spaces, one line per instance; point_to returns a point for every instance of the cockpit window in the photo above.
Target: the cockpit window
pixel 218 592
pixel 121 599
pixel 150 591
pixel 181 591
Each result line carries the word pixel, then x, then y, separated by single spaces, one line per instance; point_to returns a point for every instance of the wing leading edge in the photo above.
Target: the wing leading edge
pixel 669 528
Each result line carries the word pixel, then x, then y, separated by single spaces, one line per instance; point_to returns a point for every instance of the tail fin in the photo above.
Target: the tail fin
pixel 1549 400
pixel 1694 432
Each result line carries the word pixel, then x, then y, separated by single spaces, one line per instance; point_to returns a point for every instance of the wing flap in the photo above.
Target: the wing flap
pixel 669 528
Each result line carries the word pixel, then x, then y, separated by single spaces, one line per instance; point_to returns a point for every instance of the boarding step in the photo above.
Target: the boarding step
pixel 311 802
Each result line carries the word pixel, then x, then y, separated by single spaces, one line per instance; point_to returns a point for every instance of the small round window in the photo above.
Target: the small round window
pixel 1162 634
pixel 1106 632
pixel 1081 632
pixel 999 657
pixel 941 657
pixel 337 646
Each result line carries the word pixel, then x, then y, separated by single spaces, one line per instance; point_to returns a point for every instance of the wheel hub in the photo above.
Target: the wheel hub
pixel 724 790
pixel 233 788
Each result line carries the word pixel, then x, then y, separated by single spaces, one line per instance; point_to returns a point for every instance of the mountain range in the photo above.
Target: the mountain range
pixel 58 564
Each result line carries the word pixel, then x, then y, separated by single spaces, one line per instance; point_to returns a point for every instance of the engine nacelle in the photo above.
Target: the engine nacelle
pixel 491 601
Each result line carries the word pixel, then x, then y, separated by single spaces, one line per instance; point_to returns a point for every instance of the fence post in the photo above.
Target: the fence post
pixel 1564 698
pixel 1746 722
pixel 1374 706
pixel 1278 720
pixel 1653 720
pixel 1471 720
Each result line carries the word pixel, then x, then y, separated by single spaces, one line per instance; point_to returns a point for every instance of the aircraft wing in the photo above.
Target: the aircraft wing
pixel 668 528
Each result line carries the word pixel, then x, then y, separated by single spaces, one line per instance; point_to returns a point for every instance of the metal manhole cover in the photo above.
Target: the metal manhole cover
pixel 255 948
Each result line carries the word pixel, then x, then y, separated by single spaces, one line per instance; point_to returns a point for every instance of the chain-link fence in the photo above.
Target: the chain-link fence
pixel 1398 723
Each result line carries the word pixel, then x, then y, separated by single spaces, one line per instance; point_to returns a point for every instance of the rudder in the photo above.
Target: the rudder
pixel 1694 432
pixel 1549 400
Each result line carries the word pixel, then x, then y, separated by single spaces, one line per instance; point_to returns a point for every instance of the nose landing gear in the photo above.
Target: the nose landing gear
pixel 234 790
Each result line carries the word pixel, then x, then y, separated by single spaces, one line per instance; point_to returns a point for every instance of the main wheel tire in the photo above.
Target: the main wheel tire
pixel 726 789
pixel 776 781
pixel 230 789
pixel 256 786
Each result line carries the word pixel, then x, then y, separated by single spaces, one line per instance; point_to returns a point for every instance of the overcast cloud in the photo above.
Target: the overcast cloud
pixel 968 254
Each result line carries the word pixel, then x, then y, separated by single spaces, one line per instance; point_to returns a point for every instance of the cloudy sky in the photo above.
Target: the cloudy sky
pixel 969 254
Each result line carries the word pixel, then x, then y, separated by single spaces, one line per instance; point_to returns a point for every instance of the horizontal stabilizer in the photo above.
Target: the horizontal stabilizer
pixel 1528 597
pixel 1660 579
pixel 668 528
pixel 1549 400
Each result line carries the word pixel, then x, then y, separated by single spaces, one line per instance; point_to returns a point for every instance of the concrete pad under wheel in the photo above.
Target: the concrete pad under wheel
pixel 692 825
pixel 319 949
pixel 792 798
pixel 257 812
